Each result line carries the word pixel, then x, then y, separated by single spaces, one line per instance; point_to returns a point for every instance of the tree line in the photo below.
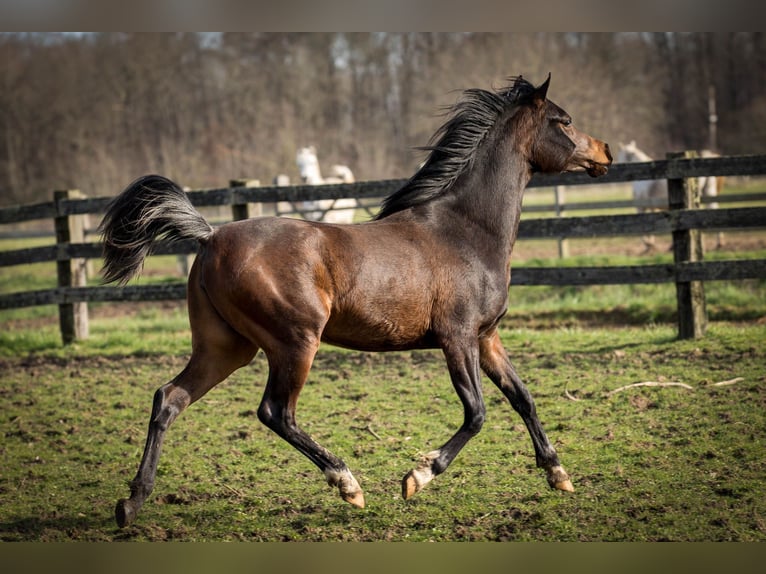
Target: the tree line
pixel 95 111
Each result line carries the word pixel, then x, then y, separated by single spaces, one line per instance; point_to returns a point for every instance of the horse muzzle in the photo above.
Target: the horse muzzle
pixel 599 166
pixel 597 169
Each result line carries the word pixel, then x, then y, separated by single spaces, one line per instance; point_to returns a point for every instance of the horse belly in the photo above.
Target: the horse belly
pixel 373 327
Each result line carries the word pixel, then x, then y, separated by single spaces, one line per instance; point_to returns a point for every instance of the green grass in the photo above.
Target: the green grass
pixel 648 463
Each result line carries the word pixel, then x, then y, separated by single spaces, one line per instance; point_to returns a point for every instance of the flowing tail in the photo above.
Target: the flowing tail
pixel 150 207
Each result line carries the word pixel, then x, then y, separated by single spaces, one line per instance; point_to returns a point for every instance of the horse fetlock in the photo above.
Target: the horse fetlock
pixel 348 487
pixel 559 479
pixel 141 486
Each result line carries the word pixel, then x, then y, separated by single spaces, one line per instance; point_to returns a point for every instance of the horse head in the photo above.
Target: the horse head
pixel 308 165
pixel 559 146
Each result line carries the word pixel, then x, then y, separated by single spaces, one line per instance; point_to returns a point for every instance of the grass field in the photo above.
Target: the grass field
pixel 648 463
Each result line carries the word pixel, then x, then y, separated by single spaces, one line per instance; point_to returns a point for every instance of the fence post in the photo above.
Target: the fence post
pixel 684 193
pixel 558 196
pixel 73 317
pixel 241 211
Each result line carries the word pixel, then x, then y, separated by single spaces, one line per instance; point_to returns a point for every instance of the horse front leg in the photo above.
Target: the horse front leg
pixel 498 367
pixel 463 365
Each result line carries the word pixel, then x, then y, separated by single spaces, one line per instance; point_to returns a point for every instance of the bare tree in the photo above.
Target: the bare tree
pixel 95 111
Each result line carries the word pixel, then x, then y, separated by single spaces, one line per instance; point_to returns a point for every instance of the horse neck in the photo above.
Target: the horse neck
pixel 488 197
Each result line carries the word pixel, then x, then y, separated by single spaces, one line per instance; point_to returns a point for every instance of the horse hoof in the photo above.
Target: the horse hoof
pixel 559 479
pixel 355 499
pixel 124 512
pixel 349 488
pixel 414 481
pixel 409 485
pixel 565 485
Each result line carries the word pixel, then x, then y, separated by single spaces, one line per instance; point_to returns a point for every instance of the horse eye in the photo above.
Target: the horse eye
pixel 566 122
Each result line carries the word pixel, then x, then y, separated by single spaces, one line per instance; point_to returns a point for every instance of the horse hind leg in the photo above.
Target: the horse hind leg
pixel 169 401
pixel 720 241
pixel 650 244
pixel 217 351
pixel 288 370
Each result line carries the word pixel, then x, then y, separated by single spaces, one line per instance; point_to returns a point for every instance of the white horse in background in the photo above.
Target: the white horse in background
pixel 328 210
pixel 656 190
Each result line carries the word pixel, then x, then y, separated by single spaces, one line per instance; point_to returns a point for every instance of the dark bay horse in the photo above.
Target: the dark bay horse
pixel 431 270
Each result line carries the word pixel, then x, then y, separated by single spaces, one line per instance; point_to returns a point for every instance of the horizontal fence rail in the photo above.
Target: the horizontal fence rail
pixel 611 275
pixel 618 173
pixel 687 220
pixel 543 228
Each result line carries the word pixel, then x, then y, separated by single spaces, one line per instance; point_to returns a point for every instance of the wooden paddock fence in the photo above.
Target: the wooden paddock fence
pixel 683 219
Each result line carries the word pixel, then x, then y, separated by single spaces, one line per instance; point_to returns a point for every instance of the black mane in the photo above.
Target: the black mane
pixel 456 142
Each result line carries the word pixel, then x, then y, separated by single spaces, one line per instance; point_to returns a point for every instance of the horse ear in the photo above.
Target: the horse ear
pixel 540 93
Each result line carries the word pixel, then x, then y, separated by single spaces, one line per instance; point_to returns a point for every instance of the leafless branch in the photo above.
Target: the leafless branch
pixel 651 384
pixel 729 382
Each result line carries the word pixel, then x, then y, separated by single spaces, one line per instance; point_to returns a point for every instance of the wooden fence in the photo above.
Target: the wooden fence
pixel 683 220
